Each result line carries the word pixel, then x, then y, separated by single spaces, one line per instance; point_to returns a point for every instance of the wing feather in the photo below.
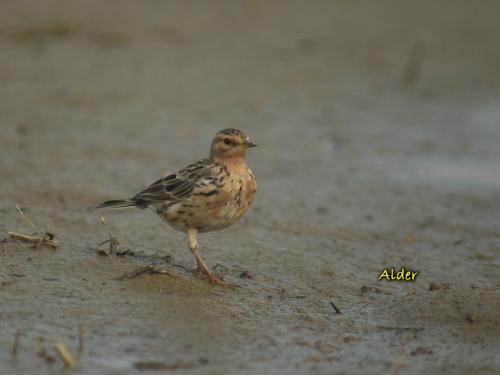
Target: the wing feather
pixel 179 185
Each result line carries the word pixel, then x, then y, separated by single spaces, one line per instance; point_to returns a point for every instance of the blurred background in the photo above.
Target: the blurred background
pixel 378 124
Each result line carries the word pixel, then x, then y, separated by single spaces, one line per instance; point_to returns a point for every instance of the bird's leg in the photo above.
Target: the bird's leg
pixel 201 265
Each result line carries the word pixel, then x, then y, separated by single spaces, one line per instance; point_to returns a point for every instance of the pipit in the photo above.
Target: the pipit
pixel 208 195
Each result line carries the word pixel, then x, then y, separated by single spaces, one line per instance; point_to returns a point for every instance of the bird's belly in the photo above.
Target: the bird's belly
pixel 208 216
pixel 223 217
pixel 215 216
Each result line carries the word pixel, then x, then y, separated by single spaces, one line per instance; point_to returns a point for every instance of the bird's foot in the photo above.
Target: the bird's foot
pixel 214 279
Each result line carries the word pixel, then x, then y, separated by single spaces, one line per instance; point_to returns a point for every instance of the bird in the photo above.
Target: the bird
pixel 208 195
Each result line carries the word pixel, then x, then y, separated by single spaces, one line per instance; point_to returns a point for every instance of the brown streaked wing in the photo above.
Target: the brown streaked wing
pixel 176 186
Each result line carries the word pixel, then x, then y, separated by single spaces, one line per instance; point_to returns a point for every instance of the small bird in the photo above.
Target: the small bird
pixel 208 195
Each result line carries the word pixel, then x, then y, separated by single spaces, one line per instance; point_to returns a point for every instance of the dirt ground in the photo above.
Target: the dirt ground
pixel 378 127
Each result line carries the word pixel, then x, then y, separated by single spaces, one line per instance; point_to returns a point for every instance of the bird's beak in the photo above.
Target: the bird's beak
pixel 249 144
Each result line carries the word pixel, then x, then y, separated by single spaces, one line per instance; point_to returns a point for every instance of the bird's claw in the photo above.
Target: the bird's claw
pixel 216 280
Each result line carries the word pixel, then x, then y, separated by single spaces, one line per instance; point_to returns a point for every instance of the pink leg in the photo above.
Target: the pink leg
pixel 201 265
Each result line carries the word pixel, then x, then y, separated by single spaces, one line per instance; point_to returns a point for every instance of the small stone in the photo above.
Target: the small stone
pixel 322 210
pixel 422 351
pixel 203 361
pixel 435 286
pixel 369 289
pixel 246 275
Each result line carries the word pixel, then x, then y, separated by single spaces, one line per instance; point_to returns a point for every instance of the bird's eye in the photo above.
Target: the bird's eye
pixel 227 141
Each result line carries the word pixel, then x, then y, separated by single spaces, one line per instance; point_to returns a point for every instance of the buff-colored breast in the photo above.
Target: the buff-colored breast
pixel 208 212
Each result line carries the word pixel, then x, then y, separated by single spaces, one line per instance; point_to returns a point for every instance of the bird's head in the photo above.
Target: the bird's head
pixel 230 144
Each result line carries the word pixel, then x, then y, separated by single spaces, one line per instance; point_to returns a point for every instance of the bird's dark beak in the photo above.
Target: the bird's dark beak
pixel 250 144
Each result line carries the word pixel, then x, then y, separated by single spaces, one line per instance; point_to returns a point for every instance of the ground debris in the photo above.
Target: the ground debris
pixel 282 293
pixel 246 275
pixel 398 362
pixel 149 269
pixel 482 256
pixel 42 351
pixel 351 338
pixel 15 346
pixel 414 329
pixel 65 355
pixel 155 365
pixel 435 286
pixel 369 289
pixel 337 311
pixel 470 318
pixel 220 268
pixel 414 64
pixel 113 242
pixel 39 238
pixel 409 239
pixel 81 338
pixel 17 274
pixel 44 240
pixel 421 351
pixel 322 210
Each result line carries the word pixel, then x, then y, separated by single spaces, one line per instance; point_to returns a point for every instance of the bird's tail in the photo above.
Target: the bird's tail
pixel 117 203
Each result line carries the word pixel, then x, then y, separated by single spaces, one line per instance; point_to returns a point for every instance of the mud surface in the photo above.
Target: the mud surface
pixel 378 125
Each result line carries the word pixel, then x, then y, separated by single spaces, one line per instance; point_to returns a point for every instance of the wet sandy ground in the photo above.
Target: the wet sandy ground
pixel 378 126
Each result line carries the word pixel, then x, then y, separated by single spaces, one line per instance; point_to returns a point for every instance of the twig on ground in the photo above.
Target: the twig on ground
pixel 414 64
pixel 65 355
pixel 45 238
pixel 335 308
pixel 81 338
pixel 26 219
pixel 15 346
pixel 112 240
pixel 398 362
pixel 416 329
pixel 145 269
